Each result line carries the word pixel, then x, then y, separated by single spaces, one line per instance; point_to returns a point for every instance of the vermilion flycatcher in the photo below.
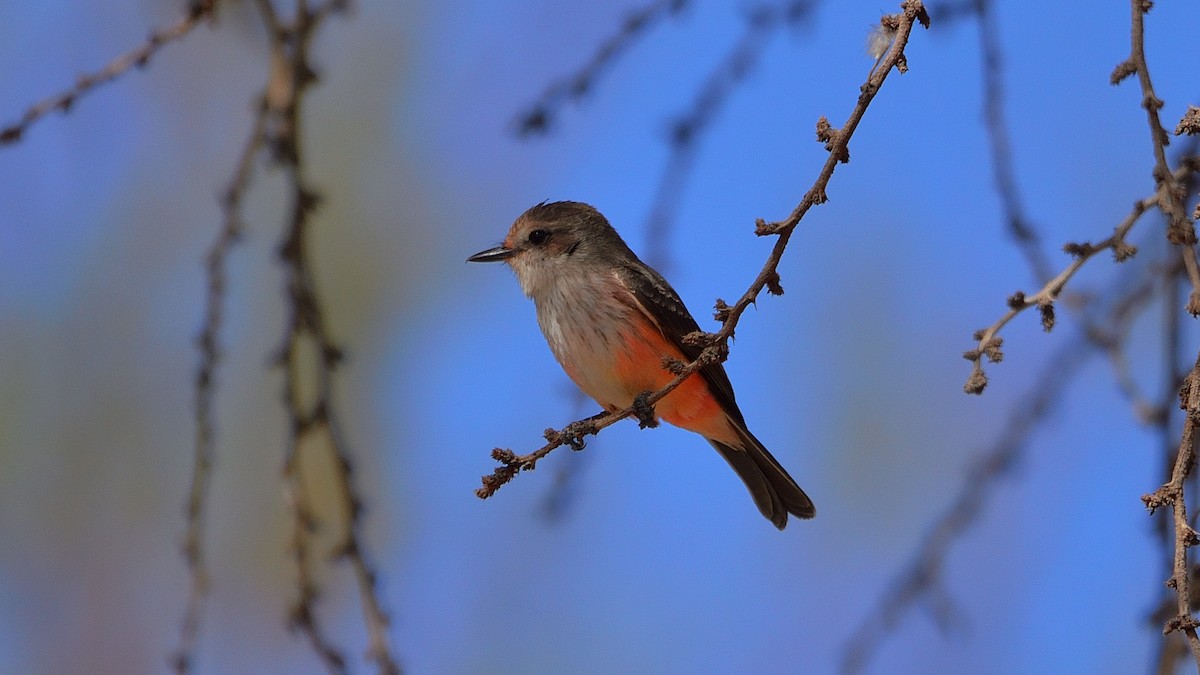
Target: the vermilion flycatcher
pixel 611 321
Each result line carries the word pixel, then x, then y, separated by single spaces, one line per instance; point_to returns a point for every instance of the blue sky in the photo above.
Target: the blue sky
pixel 661 562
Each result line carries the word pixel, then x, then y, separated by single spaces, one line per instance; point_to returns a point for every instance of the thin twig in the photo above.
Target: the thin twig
pixel 539 117
pixel 716 345
pixel 1114 344
pixel 1173 648
pixel 921 576
pixel 989 343
pixel 1172 494
pixel 205 392
pixel 197 11
pixel 1020 228
pixel 1180 230
pixel 688 128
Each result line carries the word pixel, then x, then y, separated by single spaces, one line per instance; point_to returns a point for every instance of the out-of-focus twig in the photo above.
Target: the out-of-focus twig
pixel 539 117
pixel 205 391
pixel 921 576
pixel 1020 228
pixel 716 345
pixel 313 423
pixel 685 132
pixel 196 12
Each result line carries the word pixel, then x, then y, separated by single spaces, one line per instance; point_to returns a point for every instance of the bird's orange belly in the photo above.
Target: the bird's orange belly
pixel 638 367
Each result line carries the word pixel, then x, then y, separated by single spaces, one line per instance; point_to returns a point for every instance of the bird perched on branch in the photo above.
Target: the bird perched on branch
pixel 615 325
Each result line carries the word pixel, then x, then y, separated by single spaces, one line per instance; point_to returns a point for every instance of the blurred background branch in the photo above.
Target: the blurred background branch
pixel 209 345
pixel 540 117
pixel 197 12
pixel 278 126
pixel 309 356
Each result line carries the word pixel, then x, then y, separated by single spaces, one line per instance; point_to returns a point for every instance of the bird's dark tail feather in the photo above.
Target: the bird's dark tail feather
pixel 774 491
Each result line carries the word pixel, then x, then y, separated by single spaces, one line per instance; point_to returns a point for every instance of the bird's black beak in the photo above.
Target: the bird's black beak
pixel 497 254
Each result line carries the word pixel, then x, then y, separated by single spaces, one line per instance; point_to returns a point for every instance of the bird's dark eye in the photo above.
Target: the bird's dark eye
pixel 539 237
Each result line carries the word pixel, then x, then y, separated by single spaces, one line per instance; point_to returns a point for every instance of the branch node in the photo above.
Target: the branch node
pixel 721 311
pixel 699 338
pixel 1189 537
pixel 1180 232
pixel 572 434
pixel 1122 251
pixel 923 16
pixel 977 381
pixel 643 410
pixel 1123 70
pixel 832 137
pixel 1161 497
pixel 1190 123
pixel 992 349
pixel 504 456
pixel 1182 622
pixel 762 228
pixel 773 285
pixel 673 365
pixel 1046 307
pixel 1079 250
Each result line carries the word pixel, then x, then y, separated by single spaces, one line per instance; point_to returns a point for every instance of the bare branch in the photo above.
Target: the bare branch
pixel 206 389
pixel 197 11
pixel 291 75
pixel 1180 230
pixel 989 342
pixel 538 119
pixel 921 576
pixel 1172 494
pixel 1190 123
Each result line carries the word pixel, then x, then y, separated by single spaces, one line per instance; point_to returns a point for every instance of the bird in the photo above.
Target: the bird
pixel 614 324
